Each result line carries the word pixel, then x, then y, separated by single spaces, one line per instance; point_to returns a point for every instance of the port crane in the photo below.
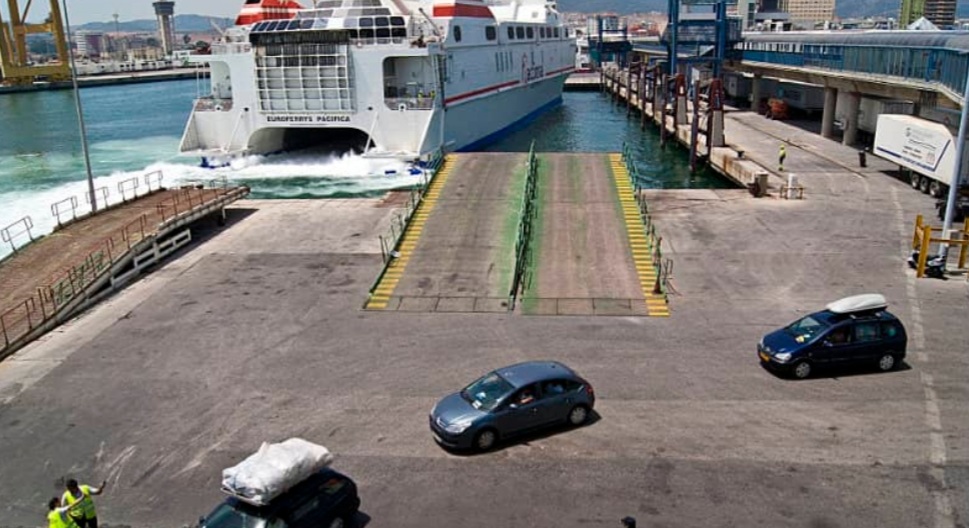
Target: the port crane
pixel 15 64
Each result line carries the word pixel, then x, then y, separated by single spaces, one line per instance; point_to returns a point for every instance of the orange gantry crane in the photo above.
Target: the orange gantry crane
pixel 15 64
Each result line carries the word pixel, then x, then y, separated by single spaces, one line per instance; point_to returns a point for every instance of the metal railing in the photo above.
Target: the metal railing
pixel 664 267
pixel 13 231
pixel 527 213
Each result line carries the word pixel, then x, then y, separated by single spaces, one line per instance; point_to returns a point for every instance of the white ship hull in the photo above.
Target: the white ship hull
pixel 457 80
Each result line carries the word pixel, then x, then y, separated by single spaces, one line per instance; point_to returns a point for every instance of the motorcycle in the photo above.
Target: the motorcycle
pixel 934 264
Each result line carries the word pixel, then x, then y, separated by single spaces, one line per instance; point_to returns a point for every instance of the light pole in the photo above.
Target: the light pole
pixel 80 113
pixel 950 204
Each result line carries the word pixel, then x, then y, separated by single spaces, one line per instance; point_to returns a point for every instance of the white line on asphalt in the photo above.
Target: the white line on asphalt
pixel 933 418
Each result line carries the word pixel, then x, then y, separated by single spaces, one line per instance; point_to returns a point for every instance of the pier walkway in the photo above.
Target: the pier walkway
pixel 585 249
pixel 51 278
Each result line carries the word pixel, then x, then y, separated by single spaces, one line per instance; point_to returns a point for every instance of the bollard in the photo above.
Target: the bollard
pixel 862 158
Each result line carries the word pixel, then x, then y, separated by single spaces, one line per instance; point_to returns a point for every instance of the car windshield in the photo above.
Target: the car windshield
pixel 806 328
pixel 225 516
pixel 485 393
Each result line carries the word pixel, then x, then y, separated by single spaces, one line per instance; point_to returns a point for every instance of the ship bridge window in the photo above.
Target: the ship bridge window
pixel 366 22
pixel 272 26
pixel 519 32
pixel 350 22
pixel 398 21
pixel 491 33
pixel 531 33
pixel 382 21
pixel 383 32
pixel 306 24
pixel 457 33
pixel 293 25
pixel 556 32
pixel 366 33
pixel 511 33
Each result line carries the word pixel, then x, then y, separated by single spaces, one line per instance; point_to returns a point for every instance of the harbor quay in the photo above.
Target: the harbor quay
pixel 259 331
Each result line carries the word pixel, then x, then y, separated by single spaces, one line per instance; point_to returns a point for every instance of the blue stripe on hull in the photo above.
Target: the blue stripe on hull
pixel 512 128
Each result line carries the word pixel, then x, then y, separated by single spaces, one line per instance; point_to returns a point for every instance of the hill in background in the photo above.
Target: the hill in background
pixel 183 24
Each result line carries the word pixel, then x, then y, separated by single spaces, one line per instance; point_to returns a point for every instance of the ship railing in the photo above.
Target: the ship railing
pixel 213 104
pixel 410 103
pixel 229 48
pixel 379 41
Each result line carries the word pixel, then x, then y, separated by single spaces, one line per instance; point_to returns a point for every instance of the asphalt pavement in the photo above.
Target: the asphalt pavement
pixel 257 334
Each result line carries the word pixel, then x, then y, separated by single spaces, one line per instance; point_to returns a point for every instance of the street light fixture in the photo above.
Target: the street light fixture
pixel 80 112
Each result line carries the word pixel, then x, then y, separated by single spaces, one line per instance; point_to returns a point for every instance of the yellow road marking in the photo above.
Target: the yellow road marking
pixel 408 241
pixel 640 245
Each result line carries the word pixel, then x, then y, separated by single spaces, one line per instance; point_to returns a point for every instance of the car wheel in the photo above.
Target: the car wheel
pixel 801 370
pixel 578 415
pixel 887 362
pixel 485 439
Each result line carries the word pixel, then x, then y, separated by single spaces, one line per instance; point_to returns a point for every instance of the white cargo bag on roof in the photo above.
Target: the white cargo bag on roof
pixel 274 469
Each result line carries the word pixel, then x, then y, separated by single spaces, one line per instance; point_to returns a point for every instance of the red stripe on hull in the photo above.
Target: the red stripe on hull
pixel 462 10
pixel 469 95
pixel 562 70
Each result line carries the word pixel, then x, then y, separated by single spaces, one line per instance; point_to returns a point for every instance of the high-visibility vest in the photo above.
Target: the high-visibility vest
pixel 86 509
pixel 56 520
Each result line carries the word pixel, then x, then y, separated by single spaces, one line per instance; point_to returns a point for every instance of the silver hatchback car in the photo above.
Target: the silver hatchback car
pixel 511 401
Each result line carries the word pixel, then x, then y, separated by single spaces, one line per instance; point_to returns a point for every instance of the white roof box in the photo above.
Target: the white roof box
pixel 859 303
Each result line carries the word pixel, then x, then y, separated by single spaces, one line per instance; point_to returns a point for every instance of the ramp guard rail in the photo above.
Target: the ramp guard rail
pixel 664 267
pixel 525 219
pixel 390 243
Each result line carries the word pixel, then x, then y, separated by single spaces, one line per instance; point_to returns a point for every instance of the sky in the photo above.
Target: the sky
pixel 82 11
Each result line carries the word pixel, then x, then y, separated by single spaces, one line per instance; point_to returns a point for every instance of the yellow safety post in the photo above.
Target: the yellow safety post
pixel 918 231
pixel 924 251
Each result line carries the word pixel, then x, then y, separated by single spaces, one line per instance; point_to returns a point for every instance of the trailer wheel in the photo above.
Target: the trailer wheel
pixel 936 189
pixel 913 178
pixel 924 184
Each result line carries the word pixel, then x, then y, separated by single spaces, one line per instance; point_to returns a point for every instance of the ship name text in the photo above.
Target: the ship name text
pixel 308 119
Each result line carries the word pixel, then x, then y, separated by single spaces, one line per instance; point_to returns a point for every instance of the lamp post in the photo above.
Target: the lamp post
pixel 80 113
pixel 950 204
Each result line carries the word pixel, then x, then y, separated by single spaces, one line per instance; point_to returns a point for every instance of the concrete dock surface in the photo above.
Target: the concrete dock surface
pixel 257 334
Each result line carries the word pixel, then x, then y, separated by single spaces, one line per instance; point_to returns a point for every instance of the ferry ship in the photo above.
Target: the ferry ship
pixel 389 78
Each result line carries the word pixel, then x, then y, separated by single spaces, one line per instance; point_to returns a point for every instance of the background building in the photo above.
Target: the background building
pixel 809 11
pixel 90 44
pixel 165 11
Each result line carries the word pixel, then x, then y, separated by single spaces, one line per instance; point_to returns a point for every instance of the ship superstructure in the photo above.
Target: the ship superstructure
pixel 400 78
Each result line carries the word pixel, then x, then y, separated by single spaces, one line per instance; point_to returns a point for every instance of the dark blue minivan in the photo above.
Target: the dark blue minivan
pixel 855 329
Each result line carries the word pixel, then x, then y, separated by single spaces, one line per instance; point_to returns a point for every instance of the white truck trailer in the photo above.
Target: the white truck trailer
pixel 926 148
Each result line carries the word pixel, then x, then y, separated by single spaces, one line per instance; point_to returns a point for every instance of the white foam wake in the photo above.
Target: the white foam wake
pixel 303 176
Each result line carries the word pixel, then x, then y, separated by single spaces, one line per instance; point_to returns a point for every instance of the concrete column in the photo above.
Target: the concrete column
pixel 851 119
pixel 755 93
pixel 827 118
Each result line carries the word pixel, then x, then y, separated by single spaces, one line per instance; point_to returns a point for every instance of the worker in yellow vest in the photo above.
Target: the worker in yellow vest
pixel 58 516
pixel 84 515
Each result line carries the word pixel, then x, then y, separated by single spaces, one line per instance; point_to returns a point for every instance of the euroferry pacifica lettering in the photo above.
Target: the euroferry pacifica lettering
pixel 308 119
